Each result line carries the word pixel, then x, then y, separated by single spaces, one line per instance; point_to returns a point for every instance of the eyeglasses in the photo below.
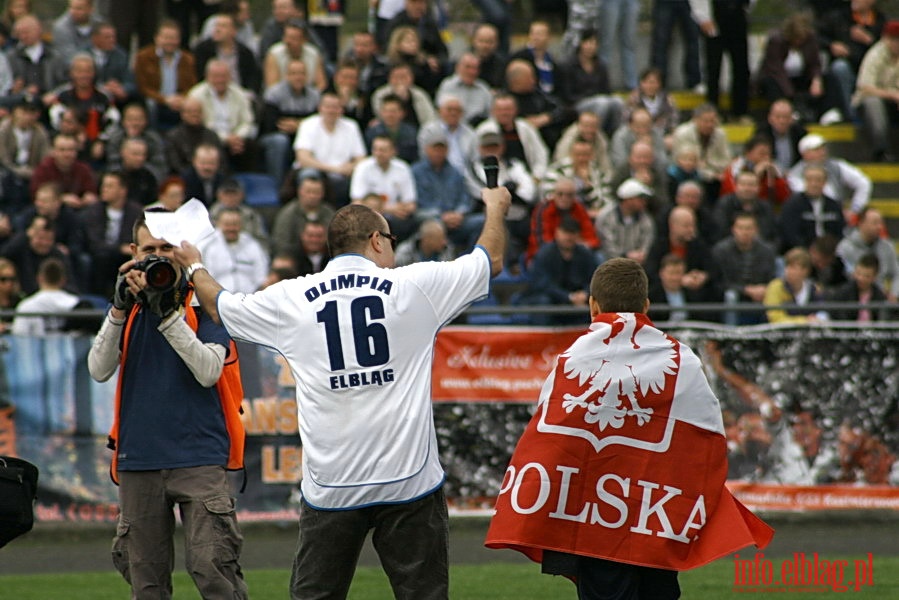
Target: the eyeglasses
pixel 393 239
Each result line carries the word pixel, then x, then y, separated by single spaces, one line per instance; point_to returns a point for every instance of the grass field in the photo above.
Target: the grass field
pixel 467 582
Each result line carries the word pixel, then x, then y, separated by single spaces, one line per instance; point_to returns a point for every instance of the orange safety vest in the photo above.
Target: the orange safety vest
pixel 229 387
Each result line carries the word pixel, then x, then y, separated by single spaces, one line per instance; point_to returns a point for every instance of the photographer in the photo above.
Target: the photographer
pixel 169 435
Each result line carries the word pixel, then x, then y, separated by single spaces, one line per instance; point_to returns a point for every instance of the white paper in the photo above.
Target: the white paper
pixel 189 223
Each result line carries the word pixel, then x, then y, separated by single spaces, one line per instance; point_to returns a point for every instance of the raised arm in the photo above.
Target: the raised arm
pixel 493 235
pixel 205 285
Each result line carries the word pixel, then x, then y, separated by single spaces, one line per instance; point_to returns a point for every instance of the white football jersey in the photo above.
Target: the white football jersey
pixel 360 341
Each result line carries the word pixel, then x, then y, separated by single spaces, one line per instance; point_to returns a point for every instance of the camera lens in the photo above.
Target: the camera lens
pixel 161 276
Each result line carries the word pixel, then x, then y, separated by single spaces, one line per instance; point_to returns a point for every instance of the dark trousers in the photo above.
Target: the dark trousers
pixel 412 542
pixel 733 25
pixel 132 17
pixel 665 15
pixel 599 579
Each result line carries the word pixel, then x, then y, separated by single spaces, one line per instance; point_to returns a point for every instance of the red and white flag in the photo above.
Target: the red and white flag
pixel 625 458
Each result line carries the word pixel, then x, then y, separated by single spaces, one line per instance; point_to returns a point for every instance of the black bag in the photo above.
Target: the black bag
pixel 18 489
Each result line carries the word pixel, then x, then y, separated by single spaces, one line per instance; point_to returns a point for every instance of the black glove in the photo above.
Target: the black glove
pixel 122 298
pixel 157 302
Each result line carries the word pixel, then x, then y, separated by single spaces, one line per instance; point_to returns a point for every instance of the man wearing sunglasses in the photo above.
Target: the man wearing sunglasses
pixel 359 339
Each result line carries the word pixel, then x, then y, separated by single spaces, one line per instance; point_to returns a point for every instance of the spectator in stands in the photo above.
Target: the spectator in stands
pixel 139 179
pixel 560 203
pixel 313 255
pixel 543 111
pixel 331 144
pixel 702 279
pixel 72 29
pixel 326 18
pixel 639 127
pixel 37 67
pixel 794 288
pixel 585 84
pixel 498 15
pixel 785 131
pixel 828 270
pixel 28 248
pixel 847 33
pixel 135 125
pixel 131 18
pixel 846 183
pixel 625 228
pixel 390 177
pixel 429 243
pixel 294 45
pixel 810 213
pixel 521 140
pixel 791 66
pixel 6 83
pixel 465 85
pixel 690 195
pixel 309 206
pixel 345 84
pixel 485 45
pixel 668 289
pixel 12 10
pixel 391 123
pixel 204 174
pixel 585 128
pixel 536 52
pixel 65 221
pixel 862 289
pixel 747 265
pixel 684 167
pixel 641 165
pixel 190 15
pixel 415 13
pixel 404 48
pixel 182 141
pixel 230 195
pixel 725 26
pixel 877 91
pixel 756 157
pixel 272 30
pixel 372 68
pixel 461 139
pixel 74 178
pixel 416 101
pixel 171 194
pixel 243 20
pixel 50 298
pixel 224 45
pixel 440 191
pixel 23 145
pixel 618 29
pixel 704 131
pixel 513 175
pixel 666 14
pixel 560 275
pixel 745 199
pixel 287 103
pixel 236 259
pixel 651 95
pixel 229 113
pixel 867 238
pixel 592 185
pixel 164 74
pixel 108 226
pixel 10 292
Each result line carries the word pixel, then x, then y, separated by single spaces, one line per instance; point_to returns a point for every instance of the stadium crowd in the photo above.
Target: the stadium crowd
pixel 273 130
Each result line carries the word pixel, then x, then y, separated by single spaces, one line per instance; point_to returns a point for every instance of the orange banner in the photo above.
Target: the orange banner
pixel 814 497
pixel 497 364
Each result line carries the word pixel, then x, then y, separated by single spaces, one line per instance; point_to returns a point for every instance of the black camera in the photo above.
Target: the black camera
pixel 160 272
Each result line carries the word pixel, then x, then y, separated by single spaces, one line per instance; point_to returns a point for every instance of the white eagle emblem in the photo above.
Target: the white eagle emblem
pixel 607 357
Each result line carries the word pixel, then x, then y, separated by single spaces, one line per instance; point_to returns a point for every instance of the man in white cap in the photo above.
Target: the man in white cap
pixel 625 228
pixel 845 182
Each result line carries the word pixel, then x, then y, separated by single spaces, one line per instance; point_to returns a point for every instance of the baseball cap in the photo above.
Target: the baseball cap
pixel 434 136
pixel 491 138
pixel 810 142
pixel 29 102
pixel 631 188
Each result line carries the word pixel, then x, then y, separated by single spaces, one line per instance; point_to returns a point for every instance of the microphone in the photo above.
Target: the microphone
pixel 491 171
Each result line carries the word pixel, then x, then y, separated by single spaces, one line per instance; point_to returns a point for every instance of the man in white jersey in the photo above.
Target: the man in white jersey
pixel 359 340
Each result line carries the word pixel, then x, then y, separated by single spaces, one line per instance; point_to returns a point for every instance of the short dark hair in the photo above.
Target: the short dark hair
pixel 620 285
pixel 52 271
pixel 351 227
pixel 869 261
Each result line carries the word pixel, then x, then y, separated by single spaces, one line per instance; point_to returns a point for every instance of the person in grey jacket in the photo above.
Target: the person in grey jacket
pixel 866 239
